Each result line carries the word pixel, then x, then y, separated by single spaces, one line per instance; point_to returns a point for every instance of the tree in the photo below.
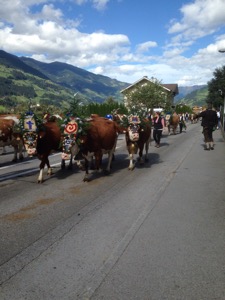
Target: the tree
pixel 216 88
pixel 147 97
pixel 182 109
pixel 110 101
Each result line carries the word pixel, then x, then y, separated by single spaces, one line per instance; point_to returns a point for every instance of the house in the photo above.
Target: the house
pixel 171 90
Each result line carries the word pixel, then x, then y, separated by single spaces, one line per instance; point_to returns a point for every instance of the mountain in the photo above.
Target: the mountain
pixel 25 78
pixel 12 61
pixel 96 88
pixel 185 90
pixel 197 97
pixel 91 87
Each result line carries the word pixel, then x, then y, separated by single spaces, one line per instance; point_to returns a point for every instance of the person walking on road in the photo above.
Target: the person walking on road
pixel 182 123
pixel 158 126
pixel 209 123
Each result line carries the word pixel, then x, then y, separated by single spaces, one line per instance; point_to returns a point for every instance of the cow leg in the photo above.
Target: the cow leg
pixel 49 172
pixel 3 150
pixel 20 149
pixel 92 163
pixel 174 130
pixel 110 158
pixel 86 165
pixel 70 166
pixel 63 164
pixel 44 161
pixel 73 152
pixel 98 160
pixel 131 165
pixel 80 165
pixel 146 150
pixel 141 147
pixel 15 154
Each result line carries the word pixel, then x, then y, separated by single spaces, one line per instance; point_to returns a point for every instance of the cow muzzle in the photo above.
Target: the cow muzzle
pixel 133 132
pixel 31 151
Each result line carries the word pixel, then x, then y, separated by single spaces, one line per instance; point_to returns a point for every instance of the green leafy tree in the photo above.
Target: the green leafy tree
pixel 182 109
pixel 216 88
pixel 147 97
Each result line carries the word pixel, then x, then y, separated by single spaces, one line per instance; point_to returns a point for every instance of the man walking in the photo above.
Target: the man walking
pixel 209 123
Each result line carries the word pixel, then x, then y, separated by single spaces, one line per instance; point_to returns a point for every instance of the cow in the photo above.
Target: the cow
pixel 138 136
pixel 68 141
pixel 173 122
pixel 100 138
pixel 48 140
pixel 41 141
pixel 11 137
pixel 193 118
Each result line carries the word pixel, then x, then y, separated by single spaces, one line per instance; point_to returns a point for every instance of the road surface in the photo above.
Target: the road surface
pixel 154 233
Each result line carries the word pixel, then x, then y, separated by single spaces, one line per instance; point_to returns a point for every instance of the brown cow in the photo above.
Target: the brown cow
pixel 48 140
pixel 138 136
pixel 193 118
pixel 69 135
pixel 100 138
pixel 173 122
pixel 42 143
pixel 8 137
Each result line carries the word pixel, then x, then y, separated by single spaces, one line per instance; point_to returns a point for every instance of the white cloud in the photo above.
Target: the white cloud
pixel 50 13
pixel 200 18
pixel 100 4
pixel 144 47
pixel 97 4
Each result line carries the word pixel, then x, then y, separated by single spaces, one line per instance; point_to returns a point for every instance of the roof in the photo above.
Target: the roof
pixel 170 87
pixel 173 87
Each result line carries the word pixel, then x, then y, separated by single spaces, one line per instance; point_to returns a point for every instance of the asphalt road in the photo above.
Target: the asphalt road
pixel 157 232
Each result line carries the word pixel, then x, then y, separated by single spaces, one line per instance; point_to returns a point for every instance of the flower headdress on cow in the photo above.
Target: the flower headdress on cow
pixel 72 129
pixel 134 118
pixel 29 122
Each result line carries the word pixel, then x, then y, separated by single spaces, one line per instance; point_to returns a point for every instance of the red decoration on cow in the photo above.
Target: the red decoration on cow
pixel 71 127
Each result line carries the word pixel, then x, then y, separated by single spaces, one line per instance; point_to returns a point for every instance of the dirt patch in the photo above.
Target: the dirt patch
pixel 17 217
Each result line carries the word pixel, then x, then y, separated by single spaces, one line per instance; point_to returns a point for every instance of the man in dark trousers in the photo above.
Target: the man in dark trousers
pixel 181 123
pixel 209 123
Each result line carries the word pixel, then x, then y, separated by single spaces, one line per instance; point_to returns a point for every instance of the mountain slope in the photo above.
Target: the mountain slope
pixel 93 87
pixel 185 90
pixel 196 97
pixel 12 61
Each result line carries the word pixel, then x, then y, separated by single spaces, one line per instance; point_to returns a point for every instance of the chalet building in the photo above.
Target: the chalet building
pixel 171 90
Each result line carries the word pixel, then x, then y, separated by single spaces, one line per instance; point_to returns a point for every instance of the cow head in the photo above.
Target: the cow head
pixel 133 132
pixel 68 146
pixel 30 142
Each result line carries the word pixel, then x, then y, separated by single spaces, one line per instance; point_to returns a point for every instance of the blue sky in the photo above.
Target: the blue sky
pixel 174 41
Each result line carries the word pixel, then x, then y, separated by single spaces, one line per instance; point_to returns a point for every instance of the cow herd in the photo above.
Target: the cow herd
pixel 84 140
pixel 87 140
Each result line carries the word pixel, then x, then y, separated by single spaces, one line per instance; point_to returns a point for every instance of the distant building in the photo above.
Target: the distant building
pixel 171 90
pixel 197 109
